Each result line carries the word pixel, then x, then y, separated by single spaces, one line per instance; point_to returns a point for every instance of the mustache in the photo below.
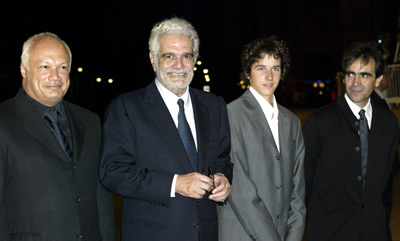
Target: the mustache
pixel 177 71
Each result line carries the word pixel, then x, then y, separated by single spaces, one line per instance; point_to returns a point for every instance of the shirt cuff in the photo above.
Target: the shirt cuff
pixel 173 185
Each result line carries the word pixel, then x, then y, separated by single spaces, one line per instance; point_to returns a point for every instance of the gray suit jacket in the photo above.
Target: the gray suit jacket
pixel 267 197
pixel 43 196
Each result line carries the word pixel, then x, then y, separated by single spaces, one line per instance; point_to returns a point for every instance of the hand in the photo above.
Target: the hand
pixel 222 188
pixel 193 185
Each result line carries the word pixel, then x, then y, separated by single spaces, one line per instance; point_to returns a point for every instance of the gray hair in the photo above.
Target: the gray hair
pixel 30 41
pixel 177 26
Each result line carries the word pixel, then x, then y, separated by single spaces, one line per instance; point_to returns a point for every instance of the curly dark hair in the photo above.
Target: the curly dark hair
pixel 363 51
pixel 256 49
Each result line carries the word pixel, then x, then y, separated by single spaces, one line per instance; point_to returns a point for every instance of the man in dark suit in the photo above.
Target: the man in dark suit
pixel 50 188
pixel 350 148
pixel 165 175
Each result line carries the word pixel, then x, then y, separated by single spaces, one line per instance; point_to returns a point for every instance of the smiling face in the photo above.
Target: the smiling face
pixel 360 81
pixel 174 63
pixel 46 78
pixel 265 75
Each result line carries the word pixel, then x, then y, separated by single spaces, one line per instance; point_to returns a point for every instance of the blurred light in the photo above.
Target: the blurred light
pixel 248 86
pixel 80 69
pixel 98 80
pixel 110 81
pixel 242 82
pixel 205 71
pixel 322 85
pixel 380 41
pixel 207 77
pixel 321 93
pixel 243 87
pixel 206 88
pixel 198 62
pixel 315 85
pixel 195 68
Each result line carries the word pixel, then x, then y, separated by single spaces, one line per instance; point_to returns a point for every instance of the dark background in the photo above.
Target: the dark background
pixel 108 39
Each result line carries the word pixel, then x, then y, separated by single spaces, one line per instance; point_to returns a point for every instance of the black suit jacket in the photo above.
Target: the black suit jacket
pixel 337 206
pixel 141 152
pixel 43 196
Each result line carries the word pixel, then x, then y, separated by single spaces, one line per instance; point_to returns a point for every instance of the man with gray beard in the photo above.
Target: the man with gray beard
pixel 166 147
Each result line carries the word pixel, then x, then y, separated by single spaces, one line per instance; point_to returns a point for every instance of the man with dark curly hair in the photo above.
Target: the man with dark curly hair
pixel 267 150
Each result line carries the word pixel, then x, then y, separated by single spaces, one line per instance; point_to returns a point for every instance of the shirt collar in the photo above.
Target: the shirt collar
pixel 355 109
pixel 170 98
pixel 42 109
pixel 269 110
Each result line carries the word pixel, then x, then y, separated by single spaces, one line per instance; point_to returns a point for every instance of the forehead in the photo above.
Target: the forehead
pixel 174 42
pixel 49 47
pixel 362 65
pixel 267 59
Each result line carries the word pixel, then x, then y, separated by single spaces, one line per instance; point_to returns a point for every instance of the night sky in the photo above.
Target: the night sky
pixel 108 39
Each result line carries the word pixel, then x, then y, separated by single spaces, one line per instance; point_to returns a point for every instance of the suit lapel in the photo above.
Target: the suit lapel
pixel 77 131
pixel 257 117
pixel 36 126
pixel 161 117
pixel 202 129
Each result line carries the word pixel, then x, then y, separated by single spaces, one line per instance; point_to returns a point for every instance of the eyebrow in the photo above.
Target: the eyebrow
pixel 362 73
pixel 171 53
pixel 263 65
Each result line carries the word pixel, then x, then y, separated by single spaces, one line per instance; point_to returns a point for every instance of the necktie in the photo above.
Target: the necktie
pixel 52 117
pixel 186 135
pixel 364 143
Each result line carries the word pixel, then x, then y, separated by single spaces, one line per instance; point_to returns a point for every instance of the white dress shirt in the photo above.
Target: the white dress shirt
pixel 271 114
pixel 356 109
pixel 171 101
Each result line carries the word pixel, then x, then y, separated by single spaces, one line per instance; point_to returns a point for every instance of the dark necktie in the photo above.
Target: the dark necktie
pixel 364 143
pixel 186 135
pixel 52 117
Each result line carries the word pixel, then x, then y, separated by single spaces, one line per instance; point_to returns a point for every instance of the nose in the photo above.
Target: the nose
pixel 178 62
pixel 54 74
pixel 357 80
pixel 268 75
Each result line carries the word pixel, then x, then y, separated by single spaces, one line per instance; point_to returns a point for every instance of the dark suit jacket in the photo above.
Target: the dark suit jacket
pixel 337 206
pixel 43 196
pixel 141 152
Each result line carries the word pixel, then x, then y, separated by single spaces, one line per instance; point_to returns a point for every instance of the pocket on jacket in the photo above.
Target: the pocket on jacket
pixel 25 237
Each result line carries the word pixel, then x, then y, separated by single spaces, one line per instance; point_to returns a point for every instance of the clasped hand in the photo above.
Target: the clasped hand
pixel 196 185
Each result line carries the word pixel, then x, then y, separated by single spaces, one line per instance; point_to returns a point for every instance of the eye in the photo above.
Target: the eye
pixel 276 69
pixel 44 66
pixel 349 74
pixel 260 68
pixel 365 76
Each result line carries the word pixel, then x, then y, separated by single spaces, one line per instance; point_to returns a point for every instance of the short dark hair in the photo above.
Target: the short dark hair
pixel 256 49
pixel 363 51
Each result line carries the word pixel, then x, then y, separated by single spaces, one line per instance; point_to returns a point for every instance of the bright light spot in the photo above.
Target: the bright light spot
pixel 322 85
pixel 80 69
pixel 321 93
pixel 242 82
pixel 207 77
pixel 206 88
pixel 315 85
pixel 98 80
pixel 243 87
pixel 198 62
pixel 110 81
pixel 195 68
pixel 380 41
pixel 248 86
pixel 205 71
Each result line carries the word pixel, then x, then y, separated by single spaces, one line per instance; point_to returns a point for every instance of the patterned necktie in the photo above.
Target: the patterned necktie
pixel 52 117
pixel 186 135
pixel 364 143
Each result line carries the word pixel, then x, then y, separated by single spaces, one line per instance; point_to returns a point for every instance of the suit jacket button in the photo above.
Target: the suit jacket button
pixel 359 178
pixel 79 235
pixel 356 123
pixel 357 149
pixel 78 199
pixel 195 225
pixel 278 157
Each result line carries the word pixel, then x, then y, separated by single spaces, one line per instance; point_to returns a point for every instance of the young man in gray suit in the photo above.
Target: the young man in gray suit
pixel 267 195
pixel 49 182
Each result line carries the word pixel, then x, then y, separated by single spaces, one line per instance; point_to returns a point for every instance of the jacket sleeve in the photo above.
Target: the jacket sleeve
pixel 120 172
pixel 296 219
